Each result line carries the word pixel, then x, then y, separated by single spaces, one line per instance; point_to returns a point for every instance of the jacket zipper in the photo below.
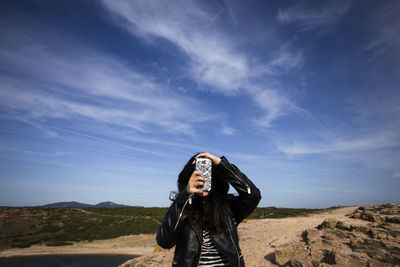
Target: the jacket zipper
pixel 180 214
pixel 237 252
pixel 248 187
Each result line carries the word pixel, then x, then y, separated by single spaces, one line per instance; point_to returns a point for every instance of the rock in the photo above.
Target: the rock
pixel 360 228
pixel 377 253
pixel 329 236
pixel 355 243
pixel 368 215
pixel 343 260
pixel 382 236
pixel 316 253
pixel 378 218
pixel 295 263
pixel 329 257
pixel 328 223
pixel 283 254
pixel 311 236
pixel 393 219
pixel 343 226
pixel 377 263
pixel 372 233
pixel 338 243
pixel 300 260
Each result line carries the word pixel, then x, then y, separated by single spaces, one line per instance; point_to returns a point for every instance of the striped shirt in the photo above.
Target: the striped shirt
pixel 210 256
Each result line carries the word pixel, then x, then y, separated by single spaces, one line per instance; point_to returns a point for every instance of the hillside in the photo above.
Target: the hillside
pixel 23 227
pixel 75 204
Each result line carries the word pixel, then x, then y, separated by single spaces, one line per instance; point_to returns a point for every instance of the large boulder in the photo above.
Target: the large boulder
pixel 368 215
pixel 316 252
pixel 328 223
pixel 284 253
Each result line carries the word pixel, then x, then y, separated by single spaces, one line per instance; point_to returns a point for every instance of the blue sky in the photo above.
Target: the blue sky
pixel 107 100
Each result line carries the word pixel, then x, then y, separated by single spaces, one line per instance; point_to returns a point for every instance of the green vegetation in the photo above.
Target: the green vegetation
pixel 277 213
pixel 23 227
pixel 58 243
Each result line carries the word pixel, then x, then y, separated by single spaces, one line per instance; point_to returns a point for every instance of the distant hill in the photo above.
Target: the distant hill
pixel 71 204
pixel 109 204
pixel 74 204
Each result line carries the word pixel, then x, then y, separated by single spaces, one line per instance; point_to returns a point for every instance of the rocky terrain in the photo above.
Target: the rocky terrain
pixel 348 244
pixel 352 236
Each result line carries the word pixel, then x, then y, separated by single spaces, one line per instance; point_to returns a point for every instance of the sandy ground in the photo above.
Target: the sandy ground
pixel 258 238
pixel 132 244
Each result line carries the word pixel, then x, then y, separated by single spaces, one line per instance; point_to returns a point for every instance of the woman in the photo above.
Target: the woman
pixel 203 225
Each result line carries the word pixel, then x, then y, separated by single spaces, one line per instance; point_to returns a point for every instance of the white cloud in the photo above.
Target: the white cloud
pixel 227 130
pixel 84 83
pixel 386 33
pixel 315 17
pixel 328 146
pixel 272 103
pixel 215 61
pixel 47 154
pixel 284 61
pixel 188 26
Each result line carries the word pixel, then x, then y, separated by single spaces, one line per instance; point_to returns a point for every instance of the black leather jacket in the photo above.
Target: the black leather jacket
pixel 176 229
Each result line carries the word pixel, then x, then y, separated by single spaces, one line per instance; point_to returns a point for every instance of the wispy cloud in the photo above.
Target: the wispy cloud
pixel 327 146
pixel 88 84
pixel 227 130
pixel 215 60
pixel 322 16
pixel 369 135
pixel 50 154
pixel 275 105
pixel 386 33
pixel 284 60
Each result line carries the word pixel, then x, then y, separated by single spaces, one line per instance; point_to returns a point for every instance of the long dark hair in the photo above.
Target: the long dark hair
pixel 209 212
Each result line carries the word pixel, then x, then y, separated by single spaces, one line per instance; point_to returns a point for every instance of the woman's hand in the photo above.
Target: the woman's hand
pixel 196 181
pixel 214 159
